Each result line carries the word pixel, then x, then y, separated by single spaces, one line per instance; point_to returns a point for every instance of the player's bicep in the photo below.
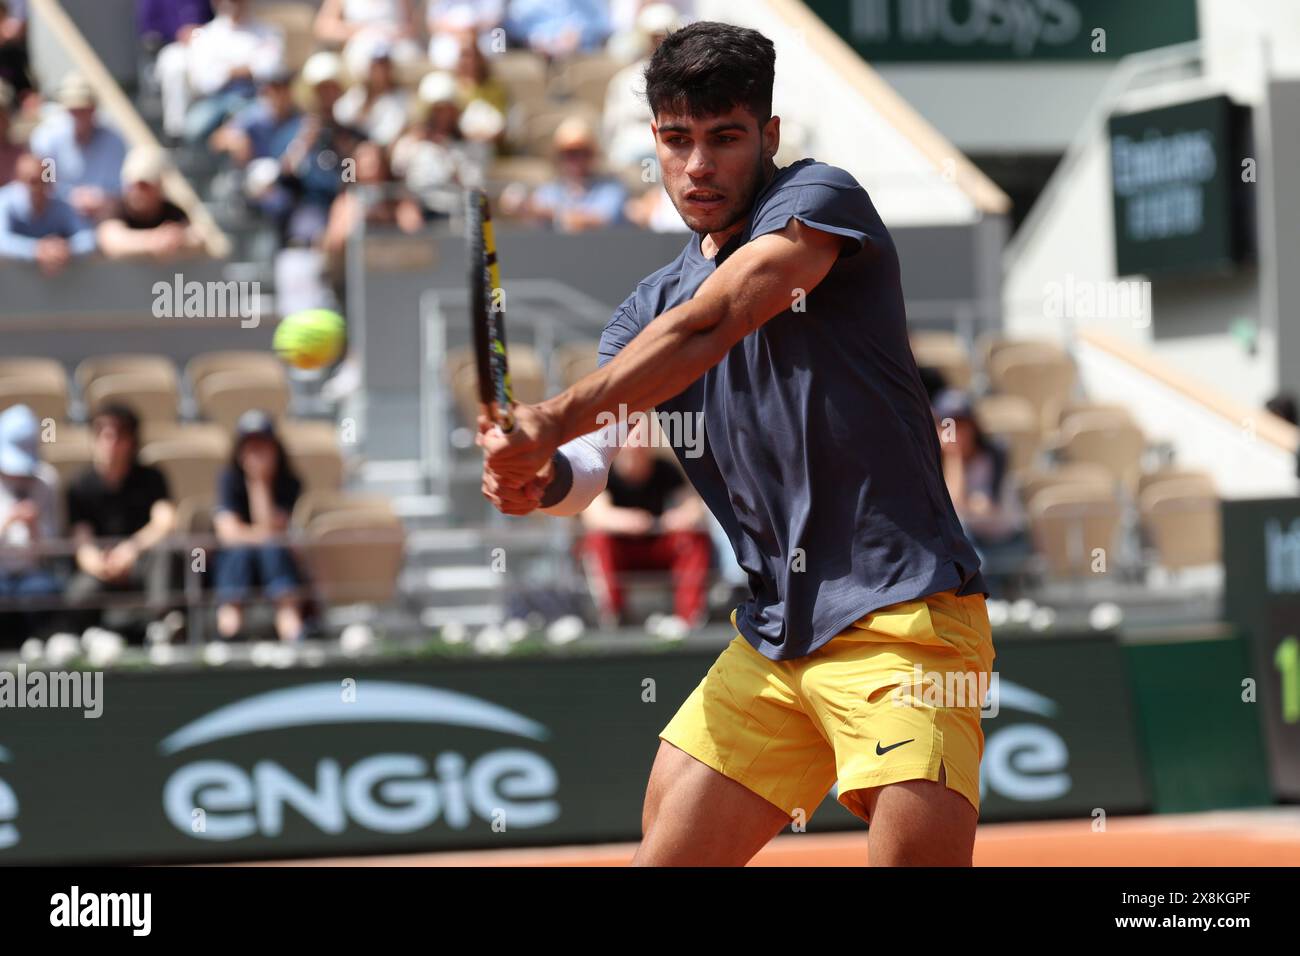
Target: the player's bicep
pixel 764 277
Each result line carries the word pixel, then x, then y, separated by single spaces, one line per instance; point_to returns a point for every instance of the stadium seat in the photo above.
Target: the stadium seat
pixel 1097 411
pixel 540 127
pixel 526 375
pixel 205 432
pixel 584 78
pixel 158 367
pixel 295 20
pixel 150 394
pixel 253 363
pixel 43 369
pixel 225 395
pixel 354 557
pixel 1084 473
pixel 1150 479
pixel 946 353
pixel 1099 438
pixel 313 449
pixel 1043 375
pixel 574 360
pixel 523 74
pixel 194 515
pixel 1182 520
pixel 46 398
pixel 1014 421
pixel 1070 523
pixel 191 467
pixel 314 503
pixel 69 453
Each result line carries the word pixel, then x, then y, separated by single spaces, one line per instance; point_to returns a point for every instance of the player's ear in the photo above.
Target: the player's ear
pixel 771 137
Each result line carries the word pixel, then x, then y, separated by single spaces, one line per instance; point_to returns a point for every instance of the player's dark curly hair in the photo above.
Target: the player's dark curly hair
pixel 709 68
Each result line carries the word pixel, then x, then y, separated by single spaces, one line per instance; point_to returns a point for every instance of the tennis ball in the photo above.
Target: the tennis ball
pixel 310 339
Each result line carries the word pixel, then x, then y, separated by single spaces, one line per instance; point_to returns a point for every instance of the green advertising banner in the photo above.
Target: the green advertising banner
pixel 1261 552
pixel 393 757
pixel 1014 30
pixel 1181 203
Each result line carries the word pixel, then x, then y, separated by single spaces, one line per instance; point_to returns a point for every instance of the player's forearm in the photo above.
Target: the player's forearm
pixel 673 351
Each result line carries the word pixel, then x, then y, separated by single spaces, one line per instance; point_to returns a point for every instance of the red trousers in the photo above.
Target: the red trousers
pixel 684 553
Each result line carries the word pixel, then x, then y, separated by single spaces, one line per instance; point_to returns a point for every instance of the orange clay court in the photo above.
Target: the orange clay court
pixel 1223 838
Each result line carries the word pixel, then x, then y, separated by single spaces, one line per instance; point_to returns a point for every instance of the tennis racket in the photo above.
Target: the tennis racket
pixel 487 313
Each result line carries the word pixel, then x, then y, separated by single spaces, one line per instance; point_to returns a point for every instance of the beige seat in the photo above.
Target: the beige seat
pixel 250 362
pixel 1182 519
pixel 1075 528
pixel 991 345
pixel 1103 440
pixel 1088 474
pixel 946 353
pixel 1097 411
pixel 1013 420
pixel 46 398
pixel 151 395
pixel 296 21
pixel 69 453
pixel 44 369
pixel 1041 376
pixel 575 360
pixel 224 396
pixel 154 366
pixel 312 504
pixel 540 127
pixel 523 74
pixel 354 557
pixel 526 376
pixel 313 450
pixel 194 515
pixel 1151 479
pixel 191 467
pixel 205 432
pixel 585 78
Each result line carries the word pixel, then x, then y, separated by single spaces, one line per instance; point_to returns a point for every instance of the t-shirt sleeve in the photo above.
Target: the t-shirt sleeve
pixel 620 330
pixel 827 199
pixel 158 490
pixel 230 494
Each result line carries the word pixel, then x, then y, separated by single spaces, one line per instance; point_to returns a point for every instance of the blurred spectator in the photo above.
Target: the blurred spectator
pixel 255 497
pixel 9 151
pixel 376 195
pixel 14 69
pixel 87 155
pixel 145 222
pixel 647 519
pixel 311 167
pixel 975 470
pixel 474 80
pixel 28 518
pixel 627 116
pixel 450 22
pixel 653 210
pixel 263 129
pixel 579 198
pixel 434 158
pixel 160 23
pixel 376 106
pixel 355 26
pixel 558 28
pixel 119 512
pixel 35 225
pixel 225 60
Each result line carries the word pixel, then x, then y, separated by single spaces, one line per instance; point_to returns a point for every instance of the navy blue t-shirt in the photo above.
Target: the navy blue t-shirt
pixel 820 457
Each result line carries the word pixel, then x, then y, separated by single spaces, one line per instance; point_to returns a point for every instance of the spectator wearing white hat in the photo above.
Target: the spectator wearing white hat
pixel 435 158
pixel 580 197
pixel 375 106
pixel 87 156
pixel 627 118
pixel 28 519
pixel 226 59
pixel 145 222
pixel 311 168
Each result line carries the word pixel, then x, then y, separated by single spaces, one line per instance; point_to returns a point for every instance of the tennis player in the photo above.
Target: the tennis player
pixel 782 322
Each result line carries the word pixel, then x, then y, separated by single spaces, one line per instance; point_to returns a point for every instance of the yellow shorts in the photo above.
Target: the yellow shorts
pixel 893 698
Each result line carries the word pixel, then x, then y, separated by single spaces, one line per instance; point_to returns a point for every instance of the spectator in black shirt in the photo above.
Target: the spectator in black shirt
pixel 255 497
pixel 145 222
pixel 647 519
pixel 119 511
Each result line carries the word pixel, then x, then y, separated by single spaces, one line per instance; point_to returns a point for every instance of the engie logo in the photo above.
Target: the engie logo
pixel 8 809
pixel 1025 761
pixel 388 792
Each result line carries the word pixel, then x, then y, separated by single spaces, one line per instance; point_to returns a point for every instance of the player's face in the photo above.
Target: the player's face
pixel 713 167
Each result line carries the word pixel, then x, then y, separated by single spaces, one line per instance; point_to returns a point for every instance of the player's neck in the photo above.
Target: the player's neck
pixel 714 241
